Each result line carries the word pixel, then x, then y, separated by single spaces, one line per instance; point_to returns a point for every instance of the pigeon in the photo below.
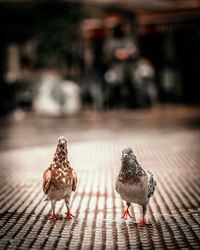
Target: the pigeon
pixel 60 179
pixel 134 184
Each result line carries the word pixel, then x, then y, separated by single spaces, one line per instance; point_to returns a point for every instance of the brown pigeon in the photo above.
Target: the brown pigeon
pixel 134 184
pixel 59 180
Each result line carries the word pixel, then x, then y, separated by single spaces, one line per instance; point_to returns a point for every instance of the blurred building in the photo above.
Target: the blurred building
pixel 167 34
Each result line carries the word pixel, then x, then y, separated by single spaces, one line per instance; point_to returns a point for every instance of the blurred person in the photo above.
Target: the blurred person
pixel 130 77
pixel 121 52
pixel 90 53
pixel 145 87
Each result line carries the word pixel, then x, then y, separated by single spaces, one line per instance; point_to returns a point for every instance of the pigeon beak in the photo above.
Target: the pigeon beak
pixel 124 156
pixel 62 143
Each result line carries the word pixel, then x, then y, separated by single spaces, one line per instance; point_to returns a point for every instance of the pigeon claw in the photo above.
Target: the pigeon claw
pixel 143 221
pixel 69 215
pixel 126 214
pixel 53 217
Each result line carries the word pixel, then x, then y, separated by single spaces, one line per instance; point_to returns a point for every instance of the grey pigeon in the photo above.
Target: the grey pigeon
pixel 134 184
pixel 60 179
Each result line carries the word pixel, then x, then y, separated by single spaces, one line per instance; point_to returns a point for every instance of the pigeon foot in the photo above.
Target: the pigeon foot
pixel 126 214
pixel 69 215
pixel 143 221
pixel 53 217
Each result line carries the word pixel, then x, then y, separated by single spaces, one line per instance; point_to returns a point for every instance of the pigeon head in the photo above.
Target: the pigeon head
pixel 62 142
pixel 128 156
pixel 60 155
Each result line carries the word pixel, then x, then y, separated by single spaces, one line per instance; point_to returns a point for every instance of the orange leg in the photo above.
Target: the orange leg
pixel 143 220
pixel 126 213
pixel 53 217
pixel 69 215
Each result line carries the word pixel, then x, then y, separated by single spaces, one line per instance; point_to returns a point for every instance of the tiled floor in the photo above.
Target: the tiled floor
pixel 169 150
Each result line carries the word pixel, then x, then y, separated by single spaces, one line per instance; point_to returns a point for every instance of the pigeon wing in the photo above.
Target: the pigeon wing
pixel 116 184
pixel 46 180
pixel 151 184
pixel 75 180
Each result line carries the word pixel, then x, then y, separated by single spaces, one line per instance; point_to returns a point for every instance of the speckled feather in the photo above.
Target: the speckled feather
pixel 59 180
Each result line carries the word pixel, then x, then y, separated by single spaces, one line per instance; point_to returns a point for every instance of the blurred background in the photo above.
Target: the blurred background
pixel 59 58
pixel 105 74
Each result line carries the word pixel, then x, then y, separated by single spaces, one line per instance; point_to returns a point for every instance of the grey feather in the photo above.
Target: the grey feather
pixel 134 184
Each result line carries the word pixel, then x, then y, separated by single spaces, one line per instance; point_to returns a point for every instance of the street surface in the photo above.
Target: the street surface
pixel 165 140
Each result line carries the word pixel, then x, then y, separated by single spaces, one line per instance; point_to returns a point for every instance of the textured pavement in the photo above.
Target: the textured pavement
pixel 170 150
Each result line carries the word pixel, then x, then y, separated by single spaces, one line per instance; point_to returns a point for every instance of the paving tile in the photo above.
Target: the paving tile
pixel 173 214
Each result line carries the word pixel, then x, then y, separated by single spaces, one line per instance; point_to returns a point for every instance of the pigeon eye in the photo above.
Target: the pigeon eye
pixel 133 156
